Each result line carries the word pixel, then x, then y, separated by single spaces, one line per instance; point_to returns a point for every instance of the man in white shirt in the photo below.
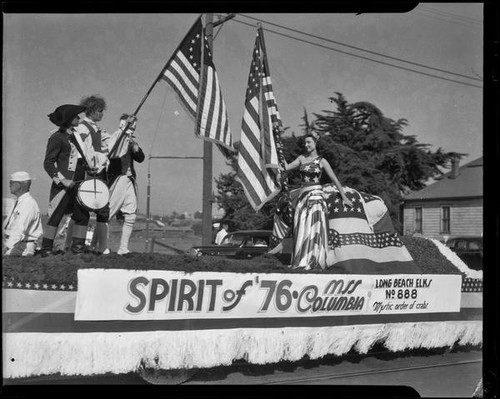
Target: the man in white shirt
pixel 96 143
pixel 23 225
pixel 221 234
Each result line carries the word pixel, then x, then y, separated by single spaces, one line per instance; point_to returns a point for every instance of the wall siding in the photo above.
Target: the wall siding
pixel 466 218
pixel 431 222
pixel 408 221
pixel 466 221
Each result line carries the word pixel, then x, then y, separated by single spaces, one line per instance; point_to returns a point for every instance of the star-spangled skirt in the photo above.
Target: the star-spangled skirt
pixel 327 233
pixel 310 230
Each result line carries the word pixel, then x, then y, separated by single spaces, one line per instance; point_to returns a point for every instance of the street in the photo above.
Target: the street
pixel 431 373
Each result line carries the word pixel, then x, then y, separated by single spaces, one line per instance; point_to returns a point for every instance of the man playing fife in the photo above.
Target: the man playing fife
pixel 122 179
pixel 23 226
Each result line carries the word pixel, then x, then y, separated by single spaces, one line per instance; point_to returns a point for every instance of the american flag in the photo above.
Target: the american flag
pixel 192 75
pixel 257 159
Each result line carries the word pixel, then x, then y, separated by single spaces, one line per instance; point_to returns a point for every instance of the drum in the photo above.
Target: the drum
pixel 92 194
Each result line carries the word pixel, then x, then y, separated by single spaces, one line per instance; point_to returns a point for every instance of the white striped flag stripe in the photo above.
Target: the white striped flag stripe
pixel 192 75
pixel 258 159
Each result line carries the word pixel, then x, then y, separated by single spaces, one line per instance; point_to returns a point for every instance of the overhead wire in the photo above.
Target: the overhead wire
pixel 457 17
pixel 158 123
pixel 426 13
pixel 366 58
pixel 362 49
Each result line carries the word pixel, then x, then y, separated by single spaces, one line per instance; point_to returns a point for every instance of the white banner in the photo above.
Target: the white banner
pixel 111 294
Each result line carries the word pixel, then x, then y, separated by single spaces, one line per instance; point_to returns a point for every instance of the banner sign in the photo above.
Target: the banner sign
pixel 118 294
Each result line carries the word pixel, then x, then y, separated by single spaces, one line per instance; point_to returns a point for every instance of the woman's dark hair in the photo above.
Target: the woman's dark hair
pixel 317 140
pixel 313 136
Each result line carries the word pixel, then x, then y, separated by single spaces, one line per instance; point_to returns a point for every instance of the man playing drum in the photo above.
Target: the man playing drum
pixel 97 139
pixel 65 168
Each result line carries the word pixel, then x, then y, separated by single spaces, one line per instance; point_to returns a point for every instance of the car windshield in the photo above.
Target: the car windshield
pixel 233 239
pixel 462 244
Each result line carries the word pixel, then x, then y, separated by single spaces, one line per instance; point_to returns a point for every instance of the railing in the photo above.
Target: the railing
pixel 161 244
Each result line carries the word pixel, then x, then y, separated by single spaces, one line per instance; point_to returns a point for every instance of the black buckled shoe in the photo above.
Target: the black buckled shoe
pixel 45 252
pixel 78 246
pixel 46 247
pixel 78 249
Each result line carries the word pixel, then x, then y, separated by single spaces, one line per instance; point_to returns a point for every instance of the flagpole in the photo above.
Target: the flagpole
pixel 206 237
pixel 228 17
pixel 148 204
pixel 122 134
pixel 277 131
pixel 261 117
pixel 163 70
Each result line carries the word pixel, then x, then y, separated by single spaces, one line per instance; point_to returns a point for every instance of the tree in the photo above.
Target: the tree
pixel 367 151
pixel 238 212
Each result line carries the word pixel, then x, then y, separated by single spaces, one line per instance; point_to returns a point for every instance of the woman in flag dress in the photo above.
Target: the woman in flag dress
pixel 310 224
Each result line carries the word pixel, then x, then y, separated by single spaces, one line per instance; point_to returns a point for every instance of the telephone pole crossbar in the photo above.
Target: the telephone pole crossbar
pixel 162 157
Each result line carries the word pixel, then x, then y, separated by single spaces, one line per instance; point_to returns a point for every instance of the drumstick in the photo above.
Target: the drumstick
pixel 95 186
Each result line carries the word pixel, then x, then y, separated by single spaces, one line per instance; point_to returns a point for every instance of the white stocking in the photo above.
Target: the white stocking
pixel 127 228
pixel 101 233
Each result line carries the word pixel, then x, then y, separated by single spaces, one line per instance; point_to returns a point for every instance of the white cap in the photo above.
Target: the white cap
pixel 20 176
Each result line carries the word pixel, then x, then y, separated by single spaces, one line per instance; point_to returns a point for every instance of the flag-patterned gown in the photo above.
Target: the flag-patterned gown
pixel 327 233
pixel 310 220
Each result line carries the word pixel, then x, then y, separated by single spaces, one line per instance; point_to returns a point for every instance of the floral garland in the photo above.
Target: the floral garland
pixel 60 272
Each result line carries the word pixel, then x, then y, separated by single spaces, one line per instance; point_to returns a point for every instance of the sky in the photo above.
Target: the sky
pixel 55 59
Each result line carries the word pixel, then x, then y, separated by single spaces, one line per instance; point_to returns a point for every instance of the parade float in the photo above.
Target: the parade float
pixel 93 315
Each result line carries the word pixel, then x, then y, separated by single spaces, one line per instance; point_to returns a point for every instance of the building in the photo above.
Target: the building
pixel 450 207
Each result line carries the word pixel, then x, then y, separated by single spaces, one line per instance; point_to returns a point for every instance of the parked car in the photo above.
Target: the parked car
pixel 469 249
pixel 238 244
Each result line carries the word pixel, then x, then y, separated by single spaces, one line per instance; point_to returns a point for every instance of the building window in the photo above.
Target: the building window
pixel 445 220
pixel 418 220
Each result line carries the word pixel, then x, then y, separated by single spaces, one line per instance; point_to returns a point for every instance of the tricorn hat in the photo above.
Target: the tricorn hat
pixel 64 114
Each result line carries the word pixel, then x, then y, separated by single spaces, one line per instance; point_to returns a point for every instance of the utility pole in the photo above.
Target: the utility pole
pixel 148 246
pixel 207 199
pixel 206 238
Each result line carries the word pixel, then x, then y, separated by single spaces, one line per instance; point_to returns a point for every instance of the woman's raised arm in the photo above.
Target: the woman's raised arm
pixel 329 171
pixel 295 164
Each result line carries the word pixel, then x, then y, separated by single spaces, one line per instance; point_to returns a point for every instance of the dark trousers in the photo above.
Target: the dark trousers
pixel 67 205
pixel 102 215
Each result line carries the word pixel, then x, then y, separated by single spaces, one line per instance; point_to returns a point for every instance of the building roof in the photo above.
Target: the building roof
pixel 468 183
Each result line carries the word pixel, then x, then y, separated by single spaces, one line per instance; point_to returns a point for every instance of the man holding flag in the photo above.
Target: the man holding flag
pixel 122 180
